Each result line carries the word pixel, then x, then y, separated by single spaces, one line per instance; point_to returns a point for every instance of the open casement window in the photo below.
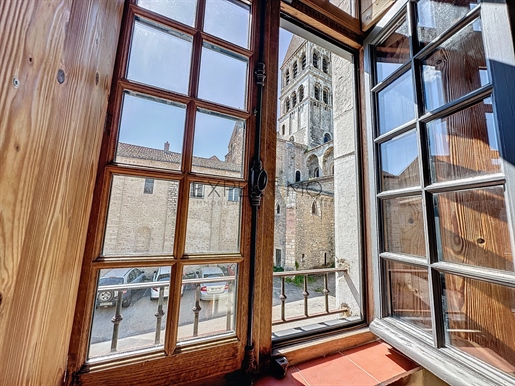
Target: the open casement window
pixel 165 276
pixel 443 145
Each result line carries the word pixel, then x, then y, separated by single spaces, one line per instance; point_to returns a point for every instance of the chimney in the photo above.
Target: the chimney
pixel 167 146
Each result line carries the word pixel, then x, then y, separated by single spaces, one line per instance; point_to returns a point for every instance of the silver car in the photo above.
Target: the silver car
pixel 212 290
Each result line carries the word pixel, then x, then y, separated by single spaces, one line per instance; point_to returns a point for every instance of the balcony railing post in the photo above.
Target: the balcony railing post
pixel 326 293
pixel 283 300
pixel 117 318
pixel 159 315
pixel 196 310
pixel 305 293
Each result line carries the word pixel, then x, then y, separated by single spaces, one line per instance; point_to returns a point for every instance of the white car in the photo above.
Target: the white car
pixel 212 290
pixel 162 275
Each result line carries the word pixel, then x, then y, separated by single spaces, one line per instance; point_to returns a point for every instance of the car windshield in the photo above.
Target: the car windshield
pixel 110 280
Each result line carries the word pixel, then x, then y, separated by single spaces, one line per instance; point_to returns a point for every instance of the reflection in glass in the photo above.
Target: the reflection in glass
pixel 399 162
pixel 393 52
pixel 480 320
pixel 436 16
pixel 160 58
pixel 396 105
pixel 218 145
pixel 151 132
pixel 455 68
pixel 472 228
pixel 404 226
pixel 228 20
pixel 140 223
pixel 223 77
pixel 464 144
pixel 182 11
pixel 409 294
pixel 213 220
pixel 142 321
pixel 208 303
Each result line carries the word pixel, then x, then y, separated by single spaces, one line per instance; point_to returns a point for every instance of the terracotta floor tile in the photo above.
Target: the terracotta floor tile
pixel 292 378
pixel 379 360
pixel 334 370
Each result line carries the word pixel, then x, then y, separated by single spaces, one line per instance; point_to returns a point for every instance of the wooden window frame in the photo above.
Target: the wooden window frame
pixel 447 362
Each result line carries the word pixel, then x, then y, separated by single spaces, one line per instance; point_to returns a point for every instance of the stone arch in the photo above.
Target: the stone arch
pixel 328 161
pixel 313 166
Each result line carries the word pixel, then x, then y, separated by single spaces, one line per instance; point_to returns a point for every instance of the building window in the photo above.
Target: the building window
pixel 297 176
pixel 315 59
pixel 295 69
pixel 301 93
pixel 283 129
pixel 325 65
pixel 327 137
pixel 233 194
pixel 149 186
pixel 304 61
pixel 292 139
pixel 325 96
pixel 317 92
pixel 458 235
pixel 294 99
pixel 278 209
pixel 314 208
pixel 278 262
pixel 287 77
pixel 316 172
pixel 287 104
pixel 197 190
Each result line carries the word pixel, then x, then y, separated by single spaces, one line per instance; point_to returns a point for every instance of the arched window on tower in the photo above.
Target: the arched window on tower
pixel 316 173
pixel 278 209
pixel 325 65
pixel 327 137
pixel 287 104
pixel 295 70
pixel 287 77
pixel 314 209
pixel 303 61
pixel 315 59
pixel 317 92
pixel 283 129
pixel 326 96
pixel 297 176
pixel 293 99
pixel 301 93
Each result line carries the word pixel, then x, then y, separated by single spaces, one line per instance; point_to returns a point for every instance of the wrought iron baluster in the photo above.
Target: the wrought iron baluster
pixel 196 309
pixel 326 293
pixel 305 293
pixel 283 299
pixel 159 315
pixel 117 318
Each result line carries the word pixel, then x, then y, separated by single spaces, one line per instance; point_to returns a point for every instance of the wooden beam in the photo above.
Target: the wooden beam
pixel 372 11
pixel 56 63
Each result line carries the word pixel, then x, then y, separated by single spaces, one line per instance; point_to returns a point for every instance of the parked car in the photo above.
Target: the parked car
pixel 106 298
pixel 212 290
pixel 162 274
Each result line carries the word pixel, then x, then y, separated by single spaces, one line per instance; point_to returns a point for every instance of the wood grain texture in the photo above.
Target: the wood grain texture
pixel 49 141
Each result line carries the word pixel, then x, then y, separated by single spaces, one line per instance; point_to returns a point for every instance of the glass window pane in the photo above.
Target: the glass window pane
pixel 464 144
pixel 218 145
pixel 139 223
pixel 396 104
pixel 213 220
pixel 455 68
pixel 399 162
pixel 223 77
pixel 208 304
pixel 393 52
pixel 436 16
pixel 229 20
pixel 472 228
pixel 409 295
pixel 160 58
pixel 151 132
pixel 141 311
pixel 183 10
pixel 404 226
pixel 480 320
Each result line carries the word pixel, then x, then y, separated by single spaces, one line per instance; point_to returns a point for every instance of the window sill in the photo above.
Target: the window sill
pixel 319 347
pixel 447 363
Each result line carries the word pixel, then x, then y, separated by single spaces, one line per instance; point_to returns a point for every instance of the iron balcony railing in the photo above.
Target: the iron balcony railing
pixel 325 291
pixel 121 288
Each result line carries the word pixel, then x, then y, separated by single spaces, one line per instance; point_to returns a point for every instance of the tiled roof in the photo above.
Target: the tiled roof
pixel 128 150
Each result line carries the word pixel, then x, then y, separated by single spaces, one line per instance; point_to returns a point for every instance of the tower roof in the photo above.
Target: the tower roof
pixel 295 43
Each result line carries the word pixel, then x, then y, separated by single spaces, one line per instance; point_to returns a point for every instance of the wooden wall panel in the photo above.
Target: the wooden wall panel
pixel 372 11
pixel 56 61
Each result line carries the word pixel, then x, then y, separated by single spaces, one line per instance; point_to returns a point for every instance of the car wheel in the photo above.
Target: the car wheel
pixel 127 302
pixel 105 296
